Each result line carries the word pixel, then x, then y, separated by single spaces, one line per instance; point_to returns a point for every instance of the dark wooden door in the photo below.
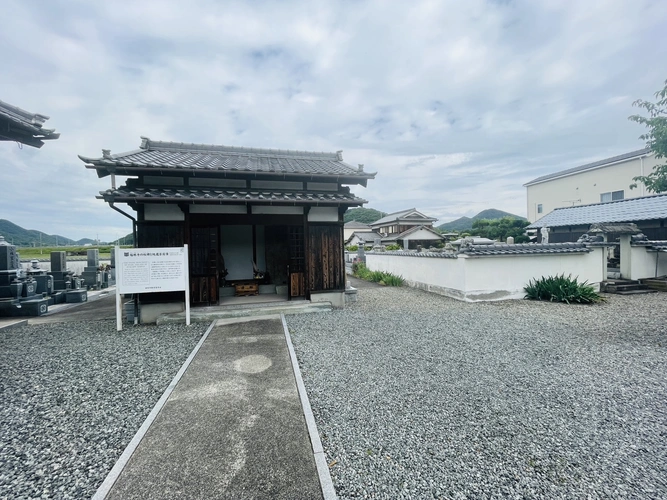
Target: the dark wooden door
pixel 204 257
pixel 297 262
pixel 326 269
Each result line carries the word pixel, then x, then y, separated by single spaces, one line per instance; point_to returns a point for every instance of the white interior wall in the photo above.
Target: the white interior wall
pixel 323 214
pixel 161 212
pixel 236 249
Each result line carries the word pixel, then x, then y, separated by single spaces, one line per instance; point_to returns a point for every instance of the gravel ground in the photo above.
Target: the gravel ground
pixel 420 396
pixel 72 396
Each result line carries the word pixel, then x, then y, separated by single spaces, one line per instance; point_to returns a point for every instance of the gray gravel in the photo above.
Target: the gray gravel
pixel 420 396
pixel 72 396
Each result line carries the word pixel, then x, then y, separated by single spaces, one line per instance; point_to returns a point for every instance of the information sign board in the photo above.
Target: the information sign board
pixel 147 270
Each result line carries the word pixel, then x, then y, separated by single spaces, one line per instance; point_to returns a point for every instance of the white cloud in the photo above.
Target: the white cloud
pixel 455 104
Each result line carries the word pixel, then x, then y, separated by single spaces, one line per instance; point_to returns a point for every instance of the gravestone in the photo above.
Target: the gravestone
pixel 91 273
pixel 18 290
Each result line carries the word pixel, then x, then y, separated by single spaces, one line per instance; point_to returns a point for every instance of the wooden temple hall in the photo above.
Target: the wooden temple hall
pixel 250 217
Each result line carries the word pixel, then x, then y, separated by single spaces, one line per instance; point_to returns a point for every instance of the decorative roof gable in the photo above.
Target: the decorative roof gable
pixel 409 215
pixel 22 126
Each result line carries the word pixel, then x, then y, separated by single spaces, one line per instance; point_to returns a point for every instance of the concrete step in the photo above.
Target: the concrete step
pixel 624 288
pixel 208 314
pixel 656 284
pixel 634 292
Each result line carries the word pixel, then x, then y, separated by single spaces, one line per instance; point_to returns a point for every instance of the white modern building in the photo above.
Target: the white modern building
pixel 597 182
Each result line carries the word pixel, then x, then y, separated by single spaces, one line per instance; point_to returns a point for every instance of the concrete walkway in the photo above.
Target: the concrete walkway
pixel 232 425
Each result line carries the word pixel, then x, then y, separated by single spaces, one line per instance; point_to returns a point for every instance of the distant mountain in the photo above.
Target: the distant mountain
pixel 365 215
pixel 20 237
pixel 465 223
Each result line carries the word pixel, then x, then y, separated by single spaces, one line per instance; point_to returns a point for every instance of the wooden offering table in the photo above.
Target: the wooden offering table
pixel 246 287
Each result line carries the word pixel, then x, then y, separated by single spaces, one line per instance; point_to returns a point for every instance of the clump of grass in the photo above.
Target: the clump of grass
pixel 562 289
pixel 360 271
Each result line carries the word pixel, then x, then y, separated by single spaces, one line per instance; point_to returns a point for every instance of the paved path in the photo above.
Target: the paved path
pixel 233 427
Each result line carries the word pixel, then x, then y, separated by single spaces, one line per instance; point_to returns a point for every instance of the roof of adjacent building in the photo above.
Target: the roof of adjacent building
pixel 408 232
pixel 227 196
pixel 410 214
pixel 353 224
pixel 366 236
pixel 22 126
pixel 227 161
pixel 590 166
pixel 628 210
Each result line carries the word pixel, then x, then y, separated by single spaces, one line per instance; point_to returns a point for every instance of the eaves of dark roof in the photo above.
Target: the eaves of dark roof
pixel 22 126
pixel 170 158
pixel 225 196
pixel 590 166
pixel 524 249
pixel 629 210
pixel 401 216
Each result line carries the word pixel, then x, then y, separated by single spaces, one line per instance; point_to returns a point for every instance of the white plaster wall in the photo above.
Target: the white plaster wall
pixel 488 278
pixel 642 263
pixel 505 276
pixel 423 234
pixel 585 187
pixel 323 214
pixel 322 186
pixel 169 212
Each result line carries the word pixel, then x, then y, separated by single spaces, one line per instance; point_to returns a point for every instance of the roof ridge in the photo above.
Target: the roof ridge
pixel 586 166
pixel 148 144
pixel 609 202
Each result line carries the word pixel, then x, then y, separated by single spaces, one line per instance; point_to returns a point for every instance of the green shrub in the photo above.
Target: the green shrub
pixel 360 271
pixel 352 248
pixel 562 289
pixel 393 246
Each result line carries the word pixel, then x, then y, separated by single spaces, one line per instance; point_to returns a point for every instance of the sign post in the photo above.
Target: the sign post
pixel 146 270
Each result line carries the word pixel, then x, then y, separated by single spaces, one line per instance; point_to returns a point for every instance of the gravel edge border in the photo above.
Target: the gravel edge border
pixel 115 472
pixel 326 483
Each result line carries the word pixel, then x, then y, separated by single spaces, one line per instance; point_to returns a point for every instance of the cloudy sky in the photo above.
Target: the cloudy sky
pixel 454 104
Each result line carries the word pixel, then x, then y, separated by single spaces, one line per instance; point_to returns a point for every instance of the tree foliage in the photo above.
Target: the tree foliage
pixel 656 139
pixel 500 229
pixel 364 215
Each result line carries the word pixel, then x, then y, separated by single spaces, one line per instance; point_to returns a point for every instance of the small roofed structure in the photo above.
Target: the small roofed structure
pixel 24 127
pixel 366 238
pixel 240 210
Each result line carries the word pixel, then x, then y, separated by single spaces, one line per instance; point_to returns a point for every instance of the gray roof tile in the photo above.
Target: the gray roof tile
pixel 403 215
pixel 19 125
pixel 174 156
pixel 524 249
pixel 629 210
pixel 216 196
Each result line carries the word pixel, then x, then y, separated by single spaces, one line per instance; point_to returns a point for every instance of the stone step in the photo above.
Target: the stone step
pixel 634 292
pixel 625 288
pixel 656 284
pixel 222 312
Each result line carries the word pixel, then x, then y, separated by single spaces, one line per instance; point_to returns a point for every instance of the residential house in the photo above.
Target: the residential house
pixel 409 228
pixel 239 210
pixel 597 182
pixel 350 227
pixel 365 238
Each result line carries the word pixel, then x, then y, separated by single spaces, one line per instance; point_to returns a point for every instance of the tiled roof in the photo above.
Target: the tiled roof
pixel 403 214
pixel 589 166
pixel 366 236
pixel 19 125
pixel 408 232
pixel 524 249
pixel 179 157
pixel 353 224
pixel 229 196
pixel 629 210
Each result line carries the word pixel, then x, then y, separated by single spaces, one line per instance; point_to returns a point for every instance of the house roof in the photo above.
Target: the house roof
pixel 366 236
pixel 590 166
pixel 22 126
pixel 628 210
pixel 353 224
pixel 410 214
pixel 408 232
pixel 227 161
pixel 226 196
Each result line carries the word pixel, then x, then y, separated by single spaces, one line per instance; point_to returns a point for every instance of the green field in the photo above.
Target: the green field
pixel 29 253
